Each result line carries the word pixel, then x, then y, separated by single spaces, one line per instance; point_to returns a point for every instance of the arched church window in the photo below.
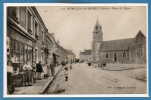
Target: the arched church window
pixel 107 55
pixel 124 54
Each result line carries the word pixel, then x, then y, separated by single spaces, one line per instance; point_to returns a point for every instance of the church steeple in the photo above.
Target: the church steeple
pixel 97 26
pixel 97 32
pixel 97 21
pixel 97 40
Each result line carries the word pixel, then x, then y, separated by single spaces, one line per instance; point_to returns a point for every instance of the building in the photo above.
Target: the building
pixel 130 50
pixel 28 40
pixel 85 55
pixel 50 46
pixel 70 56
pixel 26 36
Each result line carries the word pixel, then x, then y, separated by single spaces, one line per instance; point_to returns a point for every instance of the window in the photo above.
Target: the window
pixel 12 44
pixel 25 53
pixel 29 27
pixel 23 16
pixel 21 53
pixel 39 30
pixel 107 55
pixel 36 30
pixel 43 35
pixel 29 54
pixel 15 50
pixel 124 54
pixel 12 12
pixel 139 52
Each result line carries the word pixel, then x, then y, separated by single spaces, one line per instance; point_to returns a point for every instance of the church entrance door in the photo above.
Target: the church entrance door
pixel 115 57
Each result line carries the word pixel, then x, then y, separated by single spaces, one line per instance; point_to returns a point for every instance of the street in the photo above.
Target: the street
pixel 84 79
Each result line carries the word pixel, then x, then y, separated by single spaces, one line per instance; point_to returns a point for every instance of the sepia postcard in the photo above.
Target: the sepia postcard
pixel 75 50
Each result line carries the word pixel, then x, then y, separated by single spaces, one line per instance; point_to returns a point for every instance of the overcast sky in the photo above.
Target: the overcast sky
pixel 73 26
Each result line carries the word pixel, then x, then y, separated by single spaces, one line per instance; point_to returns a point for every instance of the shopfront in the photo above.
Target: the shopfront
pixel 21 49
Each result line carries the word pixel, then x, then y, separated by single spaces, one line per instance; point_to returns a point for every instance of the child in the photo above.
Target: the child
pixel 66 73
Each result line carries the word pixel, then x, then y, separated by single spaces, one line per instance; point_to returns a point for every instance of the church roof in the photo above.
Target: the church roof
pixel 121 44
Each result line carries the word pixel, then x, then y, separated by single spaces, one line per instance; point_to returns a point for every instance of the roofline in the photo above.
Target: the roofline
pixel 39 17
pixel 119 39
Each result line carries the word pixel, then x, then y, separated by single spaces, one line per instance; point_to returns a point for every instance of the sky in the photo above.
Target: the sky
pixel 73 25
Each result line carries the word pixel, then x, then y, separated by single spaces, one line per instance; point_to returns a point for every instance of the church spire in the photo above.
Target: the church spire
pixel 97 40
pixel 97 22
pixel 97 27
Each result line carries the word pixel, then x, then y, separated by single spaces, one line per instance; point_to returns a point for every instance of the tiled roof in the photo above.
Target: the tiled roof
pixel 122 44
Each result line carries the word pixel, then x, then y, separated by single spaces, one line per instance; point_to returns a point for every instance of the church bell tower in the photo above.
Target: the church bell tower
pixel 97 41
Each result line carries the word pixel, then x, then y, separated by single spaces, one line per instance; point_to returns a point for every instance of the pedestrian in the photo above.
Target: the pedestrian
pixel 66 73
pixel 64 65
pixel 27 74
pixel 39 70
pixel 30 73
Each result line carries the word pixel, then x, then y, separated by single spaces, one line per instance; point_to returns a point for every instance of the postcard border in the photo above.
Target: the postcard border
pixel 60 4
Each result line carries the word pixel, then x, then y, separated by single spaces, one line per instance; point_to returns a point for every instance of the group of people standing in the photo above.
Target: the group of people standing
pixel 33 73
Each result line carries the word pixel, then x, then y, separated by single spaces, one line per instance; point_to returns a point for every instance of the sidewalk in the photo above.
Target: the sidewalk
pixel 36 88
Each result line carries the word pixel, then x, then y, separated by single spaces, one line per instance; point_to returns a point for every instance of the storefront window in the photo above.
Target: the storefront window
pixel 17 52
pixel 21 53
pixel 26 53
pixel 30 54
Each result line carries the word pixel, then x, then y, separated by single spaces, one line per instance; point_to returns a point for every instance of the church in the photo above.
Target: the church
pixel 122 51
